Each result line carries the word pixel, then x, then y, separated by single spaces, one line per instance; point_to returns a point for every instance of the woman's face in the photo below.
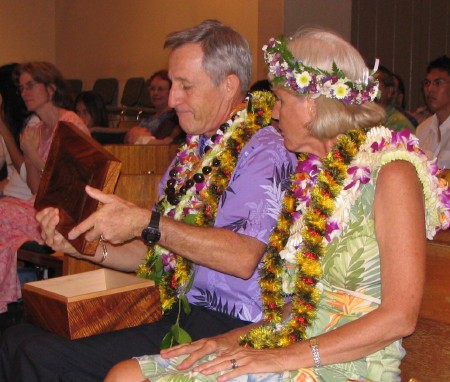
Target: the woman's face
pixel 159 93
pixel 84 114
pixel 35 94
pixel 294 114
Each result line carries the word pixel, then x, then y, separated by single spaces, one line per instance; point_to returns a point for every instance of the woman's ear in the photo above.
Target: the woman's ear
pixel 51 89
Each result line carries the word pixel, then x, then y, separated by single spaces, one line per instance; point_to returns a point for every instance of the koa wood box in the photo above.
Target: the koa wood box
pixel 89 303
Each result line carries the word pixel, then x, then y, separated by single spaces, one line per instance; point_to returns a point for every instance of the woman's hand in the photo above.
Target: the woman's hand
pixel 29 141
pixel 117 220
pixel 49 218
pixel 136 133
pixel 221 344
pixel 245 361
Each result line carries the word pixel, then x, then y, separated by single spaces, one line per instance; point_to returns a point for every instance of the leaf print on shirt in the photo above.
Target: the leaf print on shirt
pixel 275 192
pixel 211 301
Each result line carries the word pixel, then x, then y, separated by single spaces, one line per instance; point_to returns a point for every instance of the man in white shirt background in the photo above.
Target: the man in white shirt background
pixel 434 132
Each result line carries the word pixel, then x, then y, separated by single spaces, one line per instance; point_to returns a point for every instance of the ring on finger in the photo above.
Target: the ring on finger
pixel 234 364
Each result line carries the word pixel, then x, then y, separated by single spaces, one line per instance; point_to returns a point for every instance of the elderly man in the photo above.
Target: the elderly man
pixel 226 181
pixel 434 132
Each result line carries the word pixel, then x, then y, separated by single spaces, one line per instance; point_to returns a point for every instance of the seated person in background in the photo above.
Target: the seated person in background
pixel 218 227
pixel 434 132
pixel 342 280
pixel 399 99
pixel 161 127
pixel 261 85
pixel 394 120
pixel 46 95
pixel 13 115
pixel 91 108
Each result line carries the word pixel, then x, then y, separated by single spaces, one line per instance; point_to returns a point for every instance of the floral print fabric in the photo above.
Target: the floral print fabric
pixel 350 288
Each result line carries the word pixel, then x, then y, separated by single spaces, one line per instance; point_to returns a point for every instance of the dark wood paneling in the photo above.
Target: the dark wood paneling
pixel 405 35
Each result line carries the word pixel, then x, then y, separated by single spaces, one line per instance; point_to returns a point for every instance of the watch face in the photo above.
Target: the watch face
pixel 151 235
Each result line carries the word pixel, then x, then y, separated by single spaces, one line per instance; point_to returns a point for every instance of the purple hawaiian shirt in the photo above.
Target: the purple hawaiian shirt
pixel 250 206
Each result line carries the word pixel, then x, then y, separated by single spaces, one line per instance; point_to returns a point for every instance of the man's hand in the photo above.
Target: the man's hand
pixel 117 220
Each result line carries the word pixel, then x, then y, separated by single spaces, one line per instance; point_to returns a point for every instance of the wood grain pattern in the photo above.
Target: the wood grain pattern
pixel 106 300
pixel 74 161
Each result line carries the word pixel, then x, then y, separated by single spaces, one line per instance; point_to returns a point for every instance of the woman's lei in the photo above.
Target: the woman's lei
pixel 316 210
pixel 194 188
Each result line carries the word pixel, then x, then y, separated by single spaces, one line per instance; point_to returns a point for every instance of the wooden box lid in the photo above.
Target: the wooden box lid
pixel 74 161
pixel 91 303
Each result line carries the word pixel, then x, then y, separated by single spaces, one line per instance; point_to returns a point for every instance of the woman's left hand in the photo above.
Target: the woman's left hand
pixel 245 361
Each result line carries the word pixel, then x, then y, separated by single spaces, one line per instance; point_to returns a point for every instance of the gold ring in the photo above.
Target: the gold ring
pixel 234 363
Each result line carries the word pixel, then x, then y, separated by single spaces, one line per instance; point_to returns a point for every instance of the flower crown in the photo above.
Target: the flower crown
pixel 292 73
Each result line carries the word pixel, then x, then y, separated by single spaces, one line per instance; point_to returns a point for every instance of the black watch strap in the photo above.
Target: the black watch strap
pixel 151 233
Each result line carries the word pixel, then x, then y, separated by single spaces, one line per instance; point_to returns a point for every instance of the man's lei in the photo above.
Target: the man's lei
pixel 316 210
pixel 293 74
pixel 194 188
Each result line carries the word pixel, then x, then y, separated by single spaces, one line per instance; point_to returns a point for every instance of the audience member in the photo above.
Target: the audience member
pixel 394 120
pixel 261 85
pixel 12 121
pixel 399 101
pixel 162 127
pixel 91 108
pixel 219 203
pixel 434 132
pixel 351 233
pixel 45 95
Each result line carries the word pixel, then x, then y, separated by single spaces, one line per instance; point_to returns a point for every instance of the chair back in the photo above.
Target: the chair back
pixel 75 86
pixel 132 91
pixel 108 89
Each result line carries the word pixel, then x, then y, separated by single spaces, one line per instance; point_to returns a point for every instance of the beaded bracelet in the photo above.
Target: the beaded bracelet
pixel 314 346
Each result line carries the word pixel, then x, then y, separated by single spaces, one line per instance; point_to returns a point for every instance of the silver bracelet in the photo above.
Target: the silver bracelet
pixel 314 346
pixel 104 250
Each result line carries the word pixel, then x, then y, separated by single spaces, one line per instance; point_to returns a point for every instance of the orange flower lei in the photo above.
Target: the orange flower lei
pixel 308 271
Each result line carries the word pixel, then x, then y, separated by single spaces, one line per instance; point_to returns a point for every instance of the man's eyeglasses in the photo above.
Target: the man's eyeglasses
pixel 439 82
pixel 28 86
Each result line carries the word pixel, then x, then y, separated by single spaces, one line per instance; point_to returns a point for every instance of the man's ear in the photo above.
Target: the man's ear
pixel 232 85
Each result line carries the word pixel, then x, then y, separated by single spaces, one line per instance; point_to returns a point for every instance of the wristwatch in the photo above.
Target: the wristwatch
pixel 151 233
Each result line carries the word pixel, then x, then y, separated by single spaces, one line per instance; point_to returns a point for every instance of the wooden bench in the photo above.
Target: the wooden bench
pixel 142 169
pixel 428 349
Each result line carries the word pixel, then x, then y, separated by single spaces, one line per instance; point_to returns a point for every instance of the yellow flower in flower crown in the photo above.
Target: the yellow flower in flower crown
pixel 341 90
pixel 303 79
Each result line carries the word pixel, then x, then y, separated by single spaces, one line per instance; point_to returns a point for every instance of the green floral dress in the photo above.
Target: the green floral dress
pixel 350 288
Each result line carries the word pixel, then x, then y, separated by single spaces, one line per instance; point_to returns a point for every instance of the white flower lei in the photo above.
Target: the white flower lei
pixel 382 146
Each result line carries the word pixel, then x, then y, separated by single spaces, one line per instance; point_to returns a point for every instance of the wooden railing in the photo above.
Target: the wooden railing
pixel 428 349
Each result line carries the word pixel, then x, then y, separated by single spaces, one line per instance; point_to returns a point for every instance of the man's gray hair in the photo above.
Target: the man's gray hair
pixel 225 50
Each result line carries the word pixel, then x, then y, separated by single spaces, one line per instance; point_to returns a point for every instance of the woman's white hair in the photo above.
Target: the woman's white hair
pixel 319 48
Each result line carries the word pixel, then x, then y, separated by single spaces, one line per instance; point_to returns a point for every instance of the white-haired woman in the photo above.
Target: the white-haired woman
pixel 343 276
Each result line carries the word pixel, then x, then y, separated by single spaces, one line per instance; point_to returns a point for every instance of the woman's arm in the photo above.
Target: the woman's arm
pixel 29 143
pixel 11 145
